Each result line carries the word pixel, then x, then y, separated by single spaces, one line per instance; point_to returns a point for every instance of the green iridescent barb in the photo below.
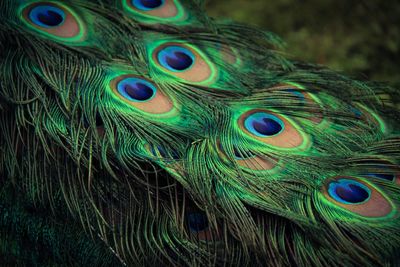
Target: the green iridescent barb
pixel 144 133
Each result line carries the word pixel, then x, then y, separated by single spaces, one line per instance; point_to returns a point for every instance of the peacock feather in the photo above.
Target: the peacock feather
pixel 144 133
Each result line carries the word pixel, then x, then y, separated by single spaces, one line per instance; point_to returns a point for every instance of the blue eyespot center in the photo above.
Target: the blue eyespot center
pixel 197 221
pixel 135 89
pixel 263 124
pixel 146 5
pixel 349 191
pixel 176 58
pixel 47 16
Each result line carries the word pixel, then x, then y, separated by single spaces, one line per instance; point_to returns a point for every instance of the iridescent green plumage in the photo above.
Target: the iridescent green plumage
pixel 181 140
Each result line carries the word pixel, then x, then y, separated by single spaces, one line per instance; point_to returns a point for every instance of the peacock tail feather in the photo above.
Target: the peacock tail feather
pixel 144 133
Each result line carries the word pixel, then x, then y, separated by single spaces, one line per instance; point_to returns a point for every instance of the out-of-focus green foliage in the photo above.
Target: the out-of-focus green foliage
pixel 358 37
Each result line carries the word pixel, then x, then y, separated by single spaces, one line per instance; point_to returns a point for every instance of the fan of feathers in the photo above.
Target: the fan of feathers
pixel 145 133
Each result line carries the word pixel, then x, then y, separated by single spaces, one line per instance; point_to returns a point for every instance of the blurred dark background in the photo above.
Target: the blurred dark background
pixel 358 37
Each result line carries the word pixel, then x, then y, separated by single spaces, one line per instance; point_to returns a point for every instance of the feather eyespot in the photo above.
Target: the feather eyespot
pixel 185 62
pixel 358 196
pixel 155 11
pixel 349 191
pixel 47 16
pixel 263 124
pixel 135 89
pixel 175 58
pixel 146 5
pixel 272 129
pixel 54 20
pixel 141 94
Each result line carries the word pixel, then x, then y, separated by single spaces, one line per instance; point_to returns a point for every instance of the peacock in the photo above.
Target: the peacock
pixel 145 133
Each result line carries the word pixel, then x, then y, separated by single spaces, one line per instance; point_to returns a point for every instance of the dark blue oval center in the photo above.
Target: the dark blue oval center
pixel 147 5
pixel 139 91
pixel 263 124
pixel 176 58
pixel 267 126
pixel 179 61
pixel 136 89
pixel 47 16
pixel 349 191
